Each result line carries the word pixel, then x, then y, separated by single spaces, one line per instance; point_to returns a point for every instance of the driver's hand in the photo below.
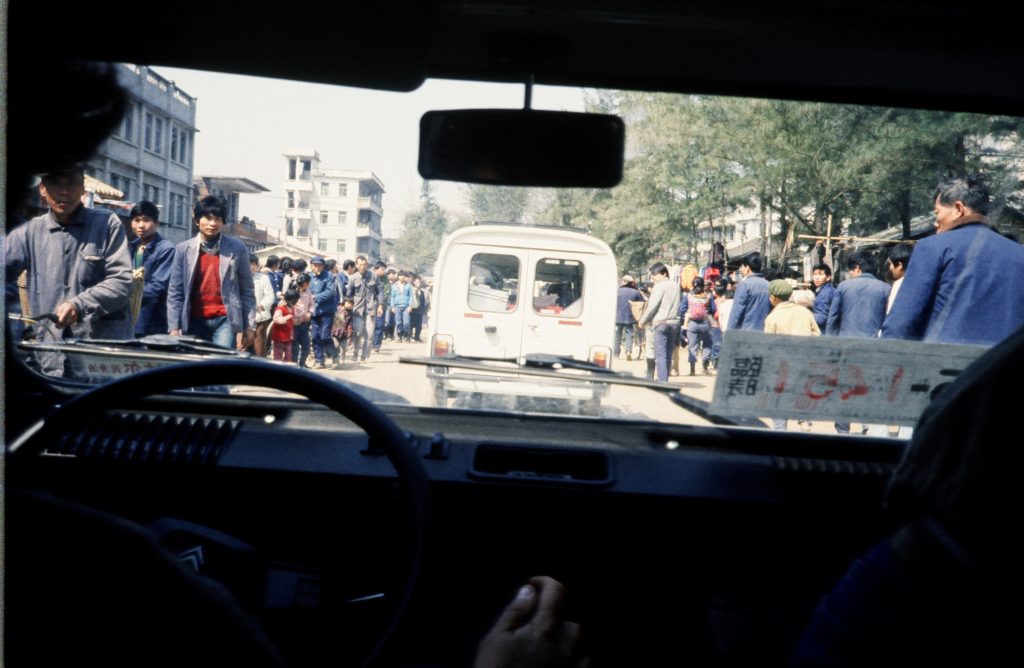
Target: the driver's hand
pixel 66 313
pixel 530 631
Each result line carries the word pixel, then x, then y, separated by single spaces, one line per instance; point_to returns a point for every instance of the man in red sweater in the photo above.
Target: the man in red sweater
pixel 211 293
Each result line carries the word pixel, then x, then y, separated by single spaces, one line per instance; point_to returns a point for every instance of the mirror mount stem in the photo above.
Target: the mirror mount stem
pixel 529 92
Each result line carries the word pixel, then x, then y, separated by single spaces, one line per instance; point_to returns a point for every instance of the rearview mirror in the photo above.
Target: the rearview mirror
pixel 522 147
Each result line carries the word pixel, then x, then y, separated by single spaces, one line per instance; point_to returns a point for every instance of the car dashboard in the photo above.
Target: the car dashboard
pixel 292 508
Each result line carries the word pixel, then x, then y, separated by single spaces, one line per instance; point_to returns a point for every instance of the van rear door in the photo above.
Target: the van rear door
pixel 487 306
pixel 555 321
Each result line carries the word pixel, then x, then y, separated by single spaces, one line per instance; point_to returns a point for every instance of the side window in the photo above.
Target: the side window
pixel 493 282
pixel 558 288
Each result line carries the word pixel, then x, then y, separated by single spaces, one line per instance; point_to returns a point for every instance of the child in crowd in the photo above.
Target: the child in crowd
pixel 341 329
pixel 303 315
pixel 282 332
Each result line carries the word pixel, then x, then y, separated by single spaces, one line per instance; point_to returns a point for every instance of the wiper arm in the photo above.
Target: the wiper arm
pixel 154 343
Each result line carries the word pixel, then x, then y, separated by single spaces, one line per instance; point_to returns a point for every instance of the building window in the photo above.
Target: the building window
pixel 289 227
pixel 179 144
pixel 303 229
pixel 178 213
pixel 158 136
pixel 305 176
pixel 291 170
pixel 304 199
pixel 151 193
pixel 340 246
pixel 342 190
pixel 321 244
pixel 291 199
pixel 128 125
pixel 342 217
pixel 325 189
pixel 148 140
pixel 124 184
pixel 323 218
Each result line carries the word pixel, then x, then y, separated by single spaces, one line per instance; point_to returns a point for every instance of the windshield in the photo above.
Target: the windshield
pixel 237 216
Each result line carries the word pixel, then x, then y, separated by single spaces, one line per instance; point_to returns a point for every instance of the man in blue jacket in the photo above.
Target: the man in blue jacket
pixel 821 277
pixel 750 306
pixel 966 284
pixel 325 304
pixel 858 306
pixel 154 255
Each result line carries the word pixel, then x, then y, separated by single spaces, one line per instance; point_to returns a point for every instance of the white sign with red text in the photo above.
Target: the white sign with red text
pixel 882 381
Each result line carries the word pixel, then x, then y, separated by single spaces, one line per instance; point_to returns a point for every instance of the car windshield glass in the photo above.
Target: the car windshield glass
pixel 794 265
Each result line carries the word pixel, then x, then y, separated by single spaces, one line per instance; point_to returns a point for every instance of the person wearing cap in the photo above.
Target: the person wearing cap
pixel 323 287
pixel 154 255
pixel 77 267
pixel 625 323
pixel 787 317
pixel 211 294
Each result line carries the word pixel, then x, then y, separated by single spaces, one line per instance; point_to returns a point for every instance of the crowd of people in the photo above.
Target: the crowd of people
pixel 944 295
pixel 77 273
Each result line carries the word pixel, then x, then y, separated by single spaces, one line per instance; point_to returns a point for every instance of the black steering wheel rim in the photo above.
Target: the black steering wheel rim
pixel 381 432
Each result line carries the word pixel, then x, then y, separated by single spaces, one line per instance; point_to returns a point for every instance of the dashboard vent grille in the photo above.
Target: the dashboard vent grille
pixel 831 466
pixel 149 439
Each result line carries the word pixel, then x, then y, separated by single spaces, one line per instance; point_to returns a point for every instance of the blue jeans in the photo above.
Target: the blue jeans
pixel 300 344
pixel 665 338
pixel 402 321
pixel 696 334
pixel 323 342
pixel 627 329
pixel 215 330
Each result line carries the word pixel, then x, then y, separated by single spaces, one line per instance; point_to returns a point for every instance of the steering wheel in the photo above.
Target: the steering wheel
pixel 382 432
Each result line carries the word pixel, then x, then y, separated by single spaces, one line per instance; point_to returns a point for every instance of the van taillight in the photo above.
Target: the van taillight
pixel 442 345
pixel 600 356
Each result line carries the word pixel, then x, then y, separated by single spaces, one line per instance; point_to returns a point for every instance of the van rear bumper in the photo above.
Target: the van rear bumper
pixel 514 385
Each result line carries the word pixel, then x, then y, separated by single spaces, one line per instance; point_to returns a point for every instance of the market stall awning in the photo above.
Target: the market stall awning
pixel 94 185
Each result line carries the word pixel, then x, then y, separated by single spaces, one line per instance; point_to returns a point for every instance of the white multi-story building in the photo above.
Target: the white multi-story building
pixel 149 156
pixel 337 212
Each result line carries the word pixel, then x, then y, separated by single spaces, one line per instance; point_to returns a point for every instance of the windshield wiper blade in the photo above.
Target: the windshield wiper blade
pixel 561 362
pixel 561 371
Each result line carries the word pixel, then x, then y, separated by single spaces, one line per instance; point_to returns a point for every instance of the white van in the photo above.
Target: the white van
pixel 503 291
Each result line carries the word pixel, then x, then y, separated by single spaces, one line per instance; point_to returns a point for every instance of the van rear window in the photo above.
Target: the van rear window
pixel 493 282
pixel 558 288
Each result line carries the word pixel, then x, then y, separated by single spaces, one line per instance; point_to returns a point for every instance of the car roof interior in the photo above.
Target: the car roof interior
pixel 893 53
pixel 732 535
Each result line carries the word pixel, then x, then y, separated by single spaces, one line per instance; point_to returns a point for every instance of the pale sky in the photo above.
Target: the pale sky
pixel 246 124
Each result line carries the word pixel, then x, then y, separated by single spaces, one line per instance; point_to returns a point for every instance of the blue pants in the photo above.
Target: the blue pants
pixel 716 342
pixel 401 317
pixel 323 342
pixel 378 331
pixel 300 344
pixel 698 333
pixel 216 330
pixel 665 338
pixel 627 329
pixel 362 332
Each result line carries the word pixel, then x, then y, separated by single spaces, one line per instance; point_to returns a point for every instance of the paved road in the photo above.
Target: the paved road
pixel 408 382
pixel 384 372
